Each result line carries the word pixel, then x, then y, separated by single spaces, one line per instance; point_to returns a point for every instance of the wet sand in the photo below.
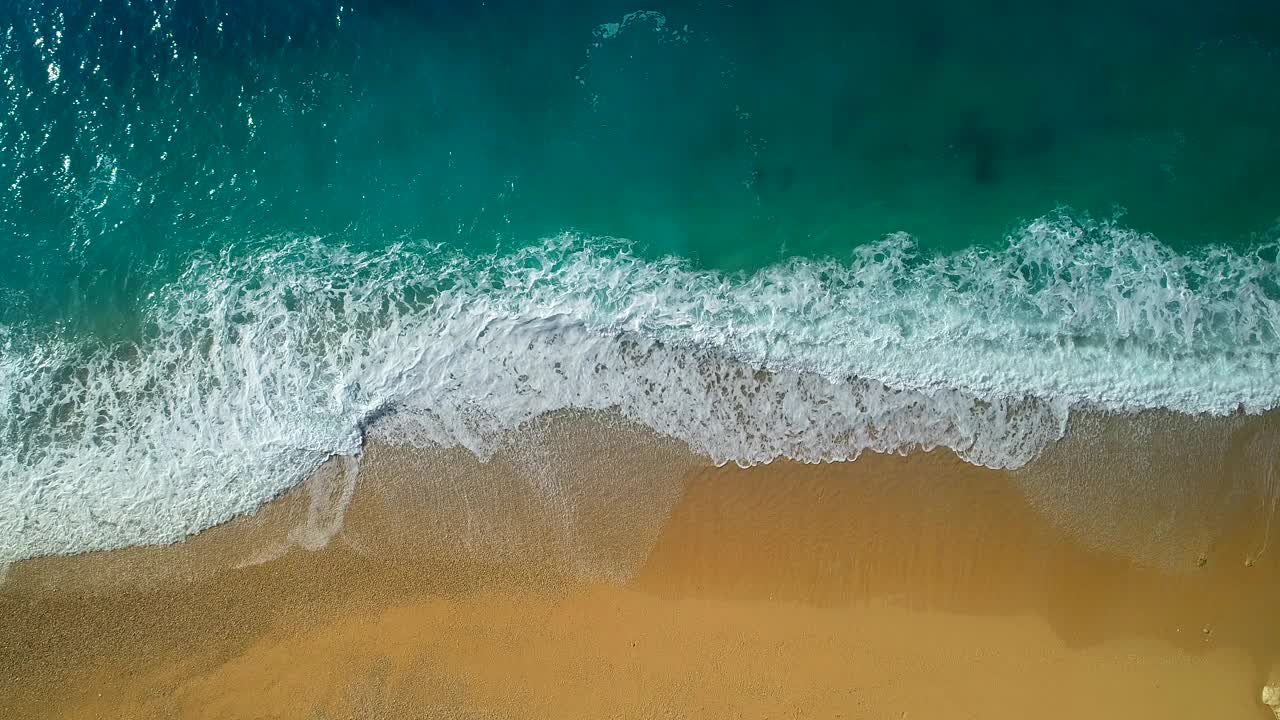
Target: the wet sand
pixel 592 572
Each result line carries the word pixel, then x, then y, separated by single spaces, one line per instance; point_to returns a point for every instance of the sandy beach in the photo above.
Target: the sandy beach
pixel 593 570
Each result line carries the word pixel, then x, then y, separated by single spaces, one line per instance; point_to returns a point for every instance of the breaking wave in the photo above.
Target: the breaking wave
pixel 259 364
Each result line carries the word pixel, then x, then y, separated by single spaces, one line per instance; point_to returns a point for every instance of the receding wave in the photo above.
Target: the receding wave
pixel 258 365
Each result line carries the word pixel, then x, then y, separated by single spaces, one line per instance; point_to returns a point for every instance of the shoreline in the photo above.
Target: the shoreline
pixel 591 556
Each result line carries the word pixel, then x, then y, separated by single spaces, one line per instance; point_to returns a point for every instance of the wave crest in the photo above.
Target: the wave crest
pixel 258 365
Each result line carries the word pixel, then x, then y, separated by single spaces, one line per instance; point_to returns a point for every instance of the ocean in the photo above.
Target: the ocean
pixel 243 238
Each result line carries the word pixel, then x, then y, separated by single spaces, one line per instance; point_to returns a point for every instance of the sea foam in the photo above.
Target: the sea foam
pixel 260 364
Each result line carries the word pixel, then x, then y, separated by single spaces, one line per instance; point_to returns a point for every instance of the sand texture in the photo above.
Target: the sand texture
pixel 599 572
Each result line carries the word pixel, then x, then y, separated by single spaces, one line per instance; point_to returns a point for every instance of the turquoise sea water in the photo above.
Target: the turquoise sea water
pixel 240 238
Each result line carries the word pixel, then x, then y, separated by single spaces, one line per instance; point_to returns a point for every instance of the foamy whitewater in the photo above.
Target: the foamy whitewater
pixel 257 367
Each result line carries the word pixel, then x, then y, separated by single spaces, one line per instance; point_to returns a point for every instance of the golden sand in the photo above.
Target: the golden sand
pixel 601 573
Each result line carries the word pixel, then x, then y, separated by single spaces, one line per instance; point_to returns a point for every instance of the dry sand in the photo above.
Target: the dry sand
pixel 599 572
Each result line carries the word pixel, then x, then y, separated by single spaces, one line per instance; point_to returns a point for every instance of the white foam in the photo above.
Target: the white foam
pixel 262 365
pixel 1271 698
pixel 603 33
pixel 608 31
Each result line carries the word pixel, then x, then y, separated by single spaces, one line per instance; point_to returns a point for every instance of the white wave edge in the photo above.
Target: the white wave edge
pixel 263 365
